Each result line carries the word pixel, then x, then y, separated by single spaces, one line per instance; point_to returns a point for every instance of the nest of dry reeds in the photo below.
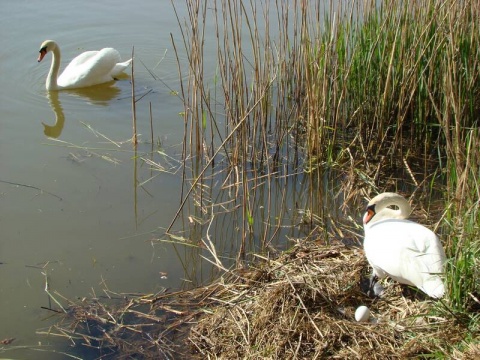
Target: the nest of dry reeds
pixel 303 306
pixel 298 306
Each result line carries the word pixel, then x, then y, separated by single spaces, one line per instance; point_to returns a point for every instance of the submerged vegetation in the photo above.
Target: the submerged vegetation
pixel 313 107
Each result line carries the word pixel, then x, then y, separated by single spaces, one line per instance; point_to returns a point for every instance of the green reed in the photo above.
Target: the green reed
pixel 409 82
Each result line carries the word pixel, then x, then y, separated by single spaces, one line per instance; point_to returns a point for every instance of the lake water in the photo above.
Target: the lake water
pixel 71 215
pixel 79 222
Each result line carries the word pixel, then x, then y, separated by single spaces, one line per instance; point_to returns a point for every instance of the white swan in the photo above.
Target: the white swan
pixel 87 69
pixel 401 249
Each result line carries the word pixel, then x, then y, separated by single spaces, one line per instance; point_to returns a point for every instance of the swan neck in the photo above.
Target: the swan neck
pixel 54 68
pixel 382 210
pixel 404 209
pixel 402 212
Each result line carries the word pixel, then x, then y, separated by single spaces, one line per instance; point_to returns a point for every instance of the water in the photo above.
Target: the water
pixel 72 216
pixel 79 223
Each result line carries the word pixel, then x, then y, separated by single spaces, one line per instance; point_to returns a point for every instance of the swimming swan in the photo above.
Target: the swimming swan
pixel 87 69
pixel 401 249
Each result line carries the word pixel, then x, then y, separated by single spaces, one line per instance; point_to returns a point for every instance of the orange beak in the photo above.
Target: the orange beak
pixel 42 55
pixel 368 216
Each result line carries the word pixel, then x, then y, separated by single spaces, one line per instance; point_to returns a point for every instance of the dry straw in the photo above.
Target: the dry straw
pixel 300 305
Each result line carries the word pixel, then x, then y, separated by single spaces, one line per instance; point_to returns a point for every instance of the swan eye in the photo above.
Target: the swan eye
pixel 43 50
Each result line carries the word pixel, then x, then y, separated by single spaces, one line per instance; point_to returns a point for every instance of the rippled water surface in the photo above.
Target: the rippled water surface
pixel 70 216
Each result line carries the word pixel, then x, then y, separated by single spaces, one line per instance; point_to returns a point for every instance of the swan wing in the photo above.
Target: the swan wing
pixel 119 67
pixel 81 59
pixel 427 259
pixel 90 68
pixel 384 246
pixel 407 252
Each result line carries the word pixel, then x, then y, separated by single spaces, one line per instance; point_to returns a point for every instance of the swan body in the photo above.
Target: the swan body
pixel 87 69
pixel 401 249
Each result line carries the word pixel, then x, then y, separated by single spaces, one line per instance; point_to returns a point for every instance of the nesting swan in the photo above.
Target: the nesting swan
pixel 87 69
pixel 402 249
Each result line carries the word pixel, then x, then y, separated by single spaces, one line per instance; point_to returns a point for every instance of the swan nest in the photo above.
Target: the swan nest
pixel 300 305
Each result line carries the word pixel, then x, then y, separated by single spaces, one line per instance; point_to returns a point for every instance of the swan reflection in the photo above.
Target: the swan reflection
pixel 95 95
pixel 55 130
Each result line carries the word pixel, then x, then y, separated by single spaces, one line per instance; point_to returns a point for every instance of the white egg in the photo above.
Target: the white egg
pixel 362 313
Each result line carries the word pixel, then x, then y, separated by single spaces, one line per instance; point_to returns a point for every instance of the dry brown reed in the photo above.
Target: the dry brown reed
pixel 126 326
pixel 300 305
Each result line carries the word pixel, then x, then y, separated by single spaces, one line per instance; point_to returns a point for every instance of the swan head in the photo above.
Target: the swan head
pixel 379 208
pixel 47 46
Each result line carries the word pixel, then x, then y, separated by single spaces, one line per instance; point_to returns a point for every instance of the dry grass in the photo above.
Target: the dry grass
pixel 127 326
pixel 298 306
pixel 303 305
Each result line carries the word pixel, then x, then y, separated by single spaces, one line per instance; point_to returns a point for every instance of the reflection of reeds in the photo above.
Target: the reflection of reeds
pixel 134 104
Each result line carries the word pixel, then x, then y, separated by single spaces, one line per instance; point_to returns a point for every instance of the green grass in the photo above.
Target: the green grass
pixel 463 230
